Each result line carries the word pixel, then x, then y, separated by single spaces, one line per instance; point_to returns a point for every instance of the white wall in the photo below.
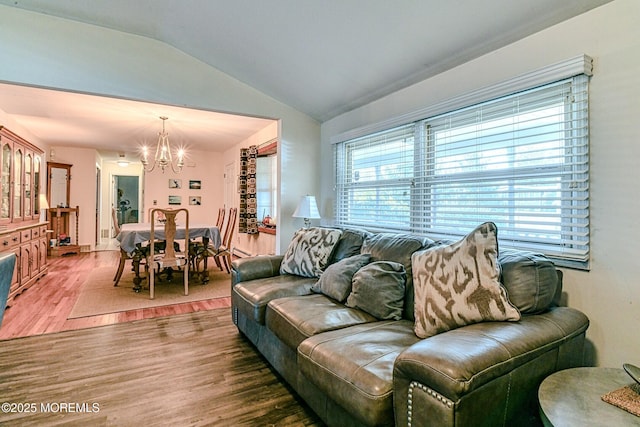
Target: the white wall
pixel 610 293
pixel 62 54
pixel 201 166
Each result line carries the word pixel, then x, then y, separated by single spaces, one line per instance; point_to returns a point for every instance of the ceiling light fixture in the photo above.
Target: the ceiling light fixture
pixel 163 156
pixel 122 162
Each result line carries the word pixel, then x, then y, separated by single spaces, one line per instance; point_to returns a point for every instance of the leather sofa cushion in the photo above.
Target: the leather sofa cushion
pixel 531 280
pixel 349 244
pixel 397 248
pixel 252 297
pixel 295 319
pixel 354 366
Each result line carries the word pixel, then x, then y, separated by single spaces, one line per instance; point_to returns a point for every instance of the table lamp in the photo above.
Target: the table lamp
pixel 44 205
pixel 307 209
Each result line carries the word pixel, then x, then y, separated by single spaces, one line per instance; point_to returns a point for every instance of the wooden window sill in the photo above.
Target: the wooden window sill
pixel 267 230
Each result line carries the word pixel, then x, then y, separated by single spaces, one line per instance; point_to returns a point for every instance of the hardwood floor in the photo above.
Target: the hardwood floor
pixel 44 307
pixel 190 368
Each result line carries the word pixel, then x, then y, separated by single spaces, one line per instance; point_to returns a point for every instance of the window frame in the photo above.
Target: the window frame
pixel 420 181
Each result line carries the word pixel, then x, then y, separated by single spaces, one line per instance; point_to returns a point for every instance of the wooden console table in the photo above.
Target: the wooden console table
pixel 60 225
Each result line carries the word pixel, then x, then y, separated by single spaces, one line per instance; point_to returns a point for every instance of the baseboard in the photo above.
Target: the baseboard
pixel 241 253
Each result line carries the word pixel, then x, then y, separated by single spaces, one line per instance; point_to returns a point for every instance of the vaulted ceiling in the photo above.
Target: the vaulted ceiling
pixel 321 57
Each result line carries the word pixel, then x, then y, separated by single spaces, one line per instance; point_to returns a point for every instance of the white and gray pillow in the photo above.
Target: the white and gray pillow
pixel 458 284
pixel 309 251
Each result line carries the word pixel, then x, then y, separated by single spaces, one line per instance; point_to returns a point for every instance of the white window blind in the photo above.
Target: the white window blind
pixel 520 161
pixel 375 175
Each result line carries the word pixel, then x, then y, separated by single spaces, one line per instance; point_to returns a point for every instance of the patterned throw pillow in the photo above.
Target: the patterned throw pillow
pixel 458 284
pixel 309 251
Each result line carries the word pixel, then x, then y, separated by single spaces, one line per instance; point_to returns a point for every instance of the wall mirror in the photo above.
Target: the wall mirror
pixel 58 184
pixel 267 184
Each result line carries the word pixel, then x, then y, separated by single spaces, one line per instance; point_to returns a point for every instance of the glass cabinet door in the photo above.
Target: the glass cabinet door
pixel 36 185
pixel 5 171
pixel 17 184
pixel 28 193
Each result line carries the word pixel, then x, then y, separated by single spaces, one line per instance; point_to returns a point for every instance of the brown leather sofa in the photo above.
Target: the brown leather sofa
pixel 353 369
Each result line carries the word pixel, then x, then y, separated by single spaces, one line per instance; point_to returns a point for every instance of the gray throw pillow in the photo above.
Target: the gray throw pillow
pixel 349 244
pixel 378 289
pixel 335 281
pixel 458 284
pixel 531 280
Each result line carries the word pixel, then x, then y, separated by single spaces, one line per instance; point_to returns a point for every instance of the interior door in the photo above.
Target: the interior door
pixel 126 198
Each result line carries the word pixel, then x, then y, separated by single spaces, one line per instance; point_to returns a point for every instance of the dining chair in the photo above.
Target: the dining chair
pixel 224 251
pixel 198 249
pixel 124 256
pixel 219 224
pixel 220 220
pixel 170 257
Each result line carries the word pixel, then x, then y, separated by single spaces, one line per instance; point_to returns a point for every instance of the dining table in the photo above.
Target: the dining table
pixel 133 235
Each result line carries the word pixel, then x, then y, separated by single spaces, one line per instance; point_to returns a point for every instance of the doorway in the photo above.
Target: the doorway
pixel 126 198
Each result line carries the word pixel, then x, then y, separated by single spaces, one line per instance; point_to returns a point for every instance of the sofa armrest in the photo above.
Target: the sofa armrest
pixel 454 375
pixel 7 265
pixel 258 267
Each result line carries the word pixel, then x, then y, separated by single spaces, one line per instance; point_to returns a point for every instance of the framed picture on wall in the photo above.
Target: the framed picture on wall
pixel 175 200
pixel 195 184
pixel 175 183
pixel 195 200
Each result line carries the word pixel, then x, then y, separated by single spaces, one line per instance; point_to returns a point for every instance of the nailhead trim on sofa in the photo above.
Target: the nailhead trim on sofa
pixel 429 392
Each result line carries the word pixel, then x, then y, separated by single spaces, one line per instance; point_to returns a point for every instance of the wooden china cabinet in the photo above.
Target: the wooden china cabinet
pixel 21 230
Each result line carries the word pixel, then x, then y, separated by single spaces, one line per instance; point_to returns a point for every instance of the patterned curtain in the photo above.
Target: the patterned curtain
pixel 247 217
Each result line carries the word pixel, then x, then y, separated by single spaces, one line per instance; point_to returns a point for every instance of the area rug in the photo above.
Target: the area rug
pixel 99 296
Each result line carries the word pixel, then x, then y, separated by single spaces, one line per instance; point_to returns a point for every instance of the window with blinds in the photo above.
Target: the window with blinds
pixel 521 161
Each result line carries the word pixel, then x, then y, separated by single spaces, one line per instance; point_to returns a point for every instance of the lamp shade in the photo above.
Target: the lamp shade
pixel 44 204
pixel 307 208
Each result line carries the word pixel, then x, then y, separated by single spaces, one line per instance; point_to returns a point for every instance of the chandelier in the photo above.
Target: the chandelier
pixel 163 157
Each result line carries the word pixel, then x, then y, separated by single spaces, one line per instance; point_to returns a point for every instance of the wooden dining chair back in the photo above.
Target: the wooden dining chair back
pixel 157 261
pixel 220 220
pixel 224 251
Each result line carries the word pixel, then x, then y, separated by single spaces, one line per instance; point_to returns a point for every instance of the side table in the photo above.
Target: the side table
pixel 572 397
